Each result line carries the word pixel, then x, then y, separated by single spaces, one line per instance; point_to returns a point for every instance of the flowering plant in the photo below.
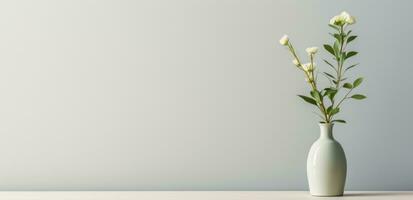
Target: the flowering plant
pixel 327 100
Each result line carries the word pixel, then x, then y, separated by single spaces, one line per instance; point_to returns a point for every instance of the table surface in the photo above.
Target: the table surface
pixel 201 195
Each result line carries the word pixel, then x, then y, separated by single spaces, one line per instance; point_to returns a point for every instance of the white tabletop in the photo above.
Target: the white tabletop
pixel 204 195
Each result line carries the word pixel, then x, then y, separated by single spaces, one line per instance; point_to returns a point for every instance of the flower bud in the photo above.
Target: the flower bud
pixel 311 50
pixel 308 67
pixel 284 40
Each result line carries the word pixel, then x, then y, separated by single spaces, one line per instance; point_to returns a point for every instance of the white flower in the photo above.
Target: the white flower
pixel 295 62
pixel 343 18
pixel 333 20
pixel 348 18
pixel 311 50
pixel 308 67
pixel 351 20
pixel 284 40
pixel 345 15
pixel 338 20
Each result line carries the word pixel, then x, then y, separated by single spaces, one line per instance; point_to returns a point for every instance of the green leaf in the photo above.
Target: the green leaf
pixel 343 55
pixel 332 66
pixel 329 75
pixel 329 109
pixel 348 85
pixel 339 121
pixel 351 38
pixel 337 36
pixel 336 47
pixel 330 92
pixel 329 89
pixel 351 67
pixel 357 82
pixel 358 96
pixel 329 49
pixel 351 53
pixel 332 95
pixel 308 99
pixel 334 111
pixel 348 33
pixel 316 95
pixel 332 26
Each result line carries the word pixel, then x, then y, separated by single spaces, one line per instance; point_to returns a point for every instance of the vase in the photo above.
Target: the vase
pixel 326 164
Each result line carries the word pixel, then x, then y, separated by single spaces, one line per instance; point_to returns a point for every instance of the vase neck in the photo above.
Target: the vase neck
pixel 326 131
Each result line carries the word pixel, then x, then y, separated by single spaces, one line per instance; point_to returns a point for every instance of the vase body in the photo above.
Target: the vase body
pixel 326 165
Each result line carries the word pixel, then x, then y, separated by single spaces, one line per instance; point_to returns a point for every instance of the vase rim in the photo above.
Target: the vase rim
pixel 326 124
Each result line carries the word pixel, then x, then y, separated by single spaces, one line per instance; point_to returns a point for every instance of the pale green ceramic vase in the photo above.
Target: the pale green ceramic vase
pixel 326 165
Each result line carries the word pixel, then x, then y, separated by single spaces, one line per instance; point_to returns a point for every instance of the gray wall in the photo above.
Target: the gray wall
pixel 192 95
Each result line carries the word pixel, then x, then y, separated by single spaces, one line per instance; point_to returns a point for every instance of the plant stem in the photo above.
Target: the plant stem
pixel 344 98
pixel 340 61
pixel 323 108
pixel 320 106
